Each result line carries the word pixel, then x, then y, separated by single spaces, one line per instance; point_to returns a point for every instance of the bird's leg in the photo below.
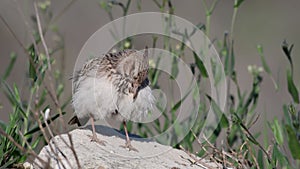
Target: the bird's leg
pixel 128 142
pixel 94 136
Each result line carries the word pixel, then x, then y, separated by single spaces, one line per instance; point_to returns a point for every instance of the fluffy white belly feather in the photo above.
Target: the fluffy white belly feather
pixel 99 98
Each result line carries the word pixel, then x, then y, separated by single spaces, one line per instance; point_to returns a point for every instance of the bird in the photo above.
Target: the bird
pixel 114 86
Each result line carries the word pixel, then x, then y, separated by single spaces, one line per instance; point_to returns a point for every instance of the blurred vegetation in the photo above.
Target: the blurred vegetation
pixel 239 146
pixel 26 130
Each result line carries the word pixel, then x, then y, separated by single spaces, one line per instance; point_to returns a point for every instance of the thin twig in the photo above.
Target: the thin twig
pixel 13 33
pixel 215 150
pixel 45 135
pixel 71 146
pixel 41 34
pixel 194 158
pixel 203 148
pixel 73 150
pixel 53 141
pixel 253 157
pixel 198 141
pixel 247 132
pixel 16 38
pixel 220 153
pixel 256 119
pixel 62 11
pixel 30 148
pixel 49 75
pixel 223 157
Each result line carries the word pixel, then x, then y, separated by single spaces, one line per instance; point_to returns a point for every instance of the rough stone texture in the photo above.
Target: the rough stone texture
pixel 92 155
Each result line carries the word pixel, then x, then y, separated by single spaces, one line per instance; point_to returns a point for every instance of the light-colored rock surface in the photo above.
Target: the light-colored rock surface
pixel 92 155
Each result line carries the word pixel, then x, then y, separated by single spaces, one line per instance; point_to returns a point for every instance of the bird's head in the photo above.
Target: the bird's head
pixel 135 66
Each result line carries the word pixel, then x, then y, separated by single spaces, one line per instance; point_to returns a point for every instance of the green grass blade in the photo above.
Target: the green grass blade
pixel 293 142
pixel 265 65
pixel 260 159
pixel 288 52
pixel 292 88
pixel 277 131
pixel 200 65
pixel 11 64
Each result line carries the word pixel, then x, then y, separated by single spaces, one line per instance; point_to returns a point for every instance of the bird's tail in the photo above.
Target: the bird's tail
pixel 74 120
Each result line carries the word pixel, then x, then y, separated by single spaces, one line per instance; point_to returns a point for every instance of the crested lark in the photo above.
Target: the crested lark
pixel 113 86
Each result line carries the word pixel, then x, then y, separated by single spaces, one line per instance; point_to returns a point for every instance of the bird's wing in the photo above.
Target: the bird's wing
pixel 99 65
pixel 87 70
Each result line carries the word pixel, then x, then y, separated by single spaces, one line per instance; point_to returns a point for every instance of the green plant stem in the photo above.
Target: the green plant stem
pixel 235 11
pixel 26 121
pixel 208 14
pixel 157 3
pixel 124 21
pixel 127 7
pixel 207 30
pixel 230 46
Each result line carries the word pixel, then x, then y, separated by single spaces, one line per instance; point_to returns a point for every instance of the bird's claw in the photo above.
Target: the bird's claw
pixel 95 139
pixel 129 146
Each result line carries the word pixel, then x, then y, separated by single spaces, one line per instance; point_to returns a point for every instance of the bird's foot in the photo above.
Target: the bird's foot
pixel 129 146
pixel 95 139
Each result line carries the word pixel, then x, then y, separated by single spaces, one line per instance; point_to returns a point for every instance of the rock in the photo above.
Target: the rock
pixel 92 155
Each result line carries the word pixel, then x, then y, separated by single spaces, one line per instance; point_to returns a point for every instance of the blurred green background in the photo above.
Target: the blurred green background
pixel 273 140
pixel 266 22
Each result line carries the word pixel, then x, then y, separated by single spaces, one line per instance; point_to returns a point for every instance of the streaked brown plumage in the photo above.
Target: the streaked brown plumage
pixel 119 84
